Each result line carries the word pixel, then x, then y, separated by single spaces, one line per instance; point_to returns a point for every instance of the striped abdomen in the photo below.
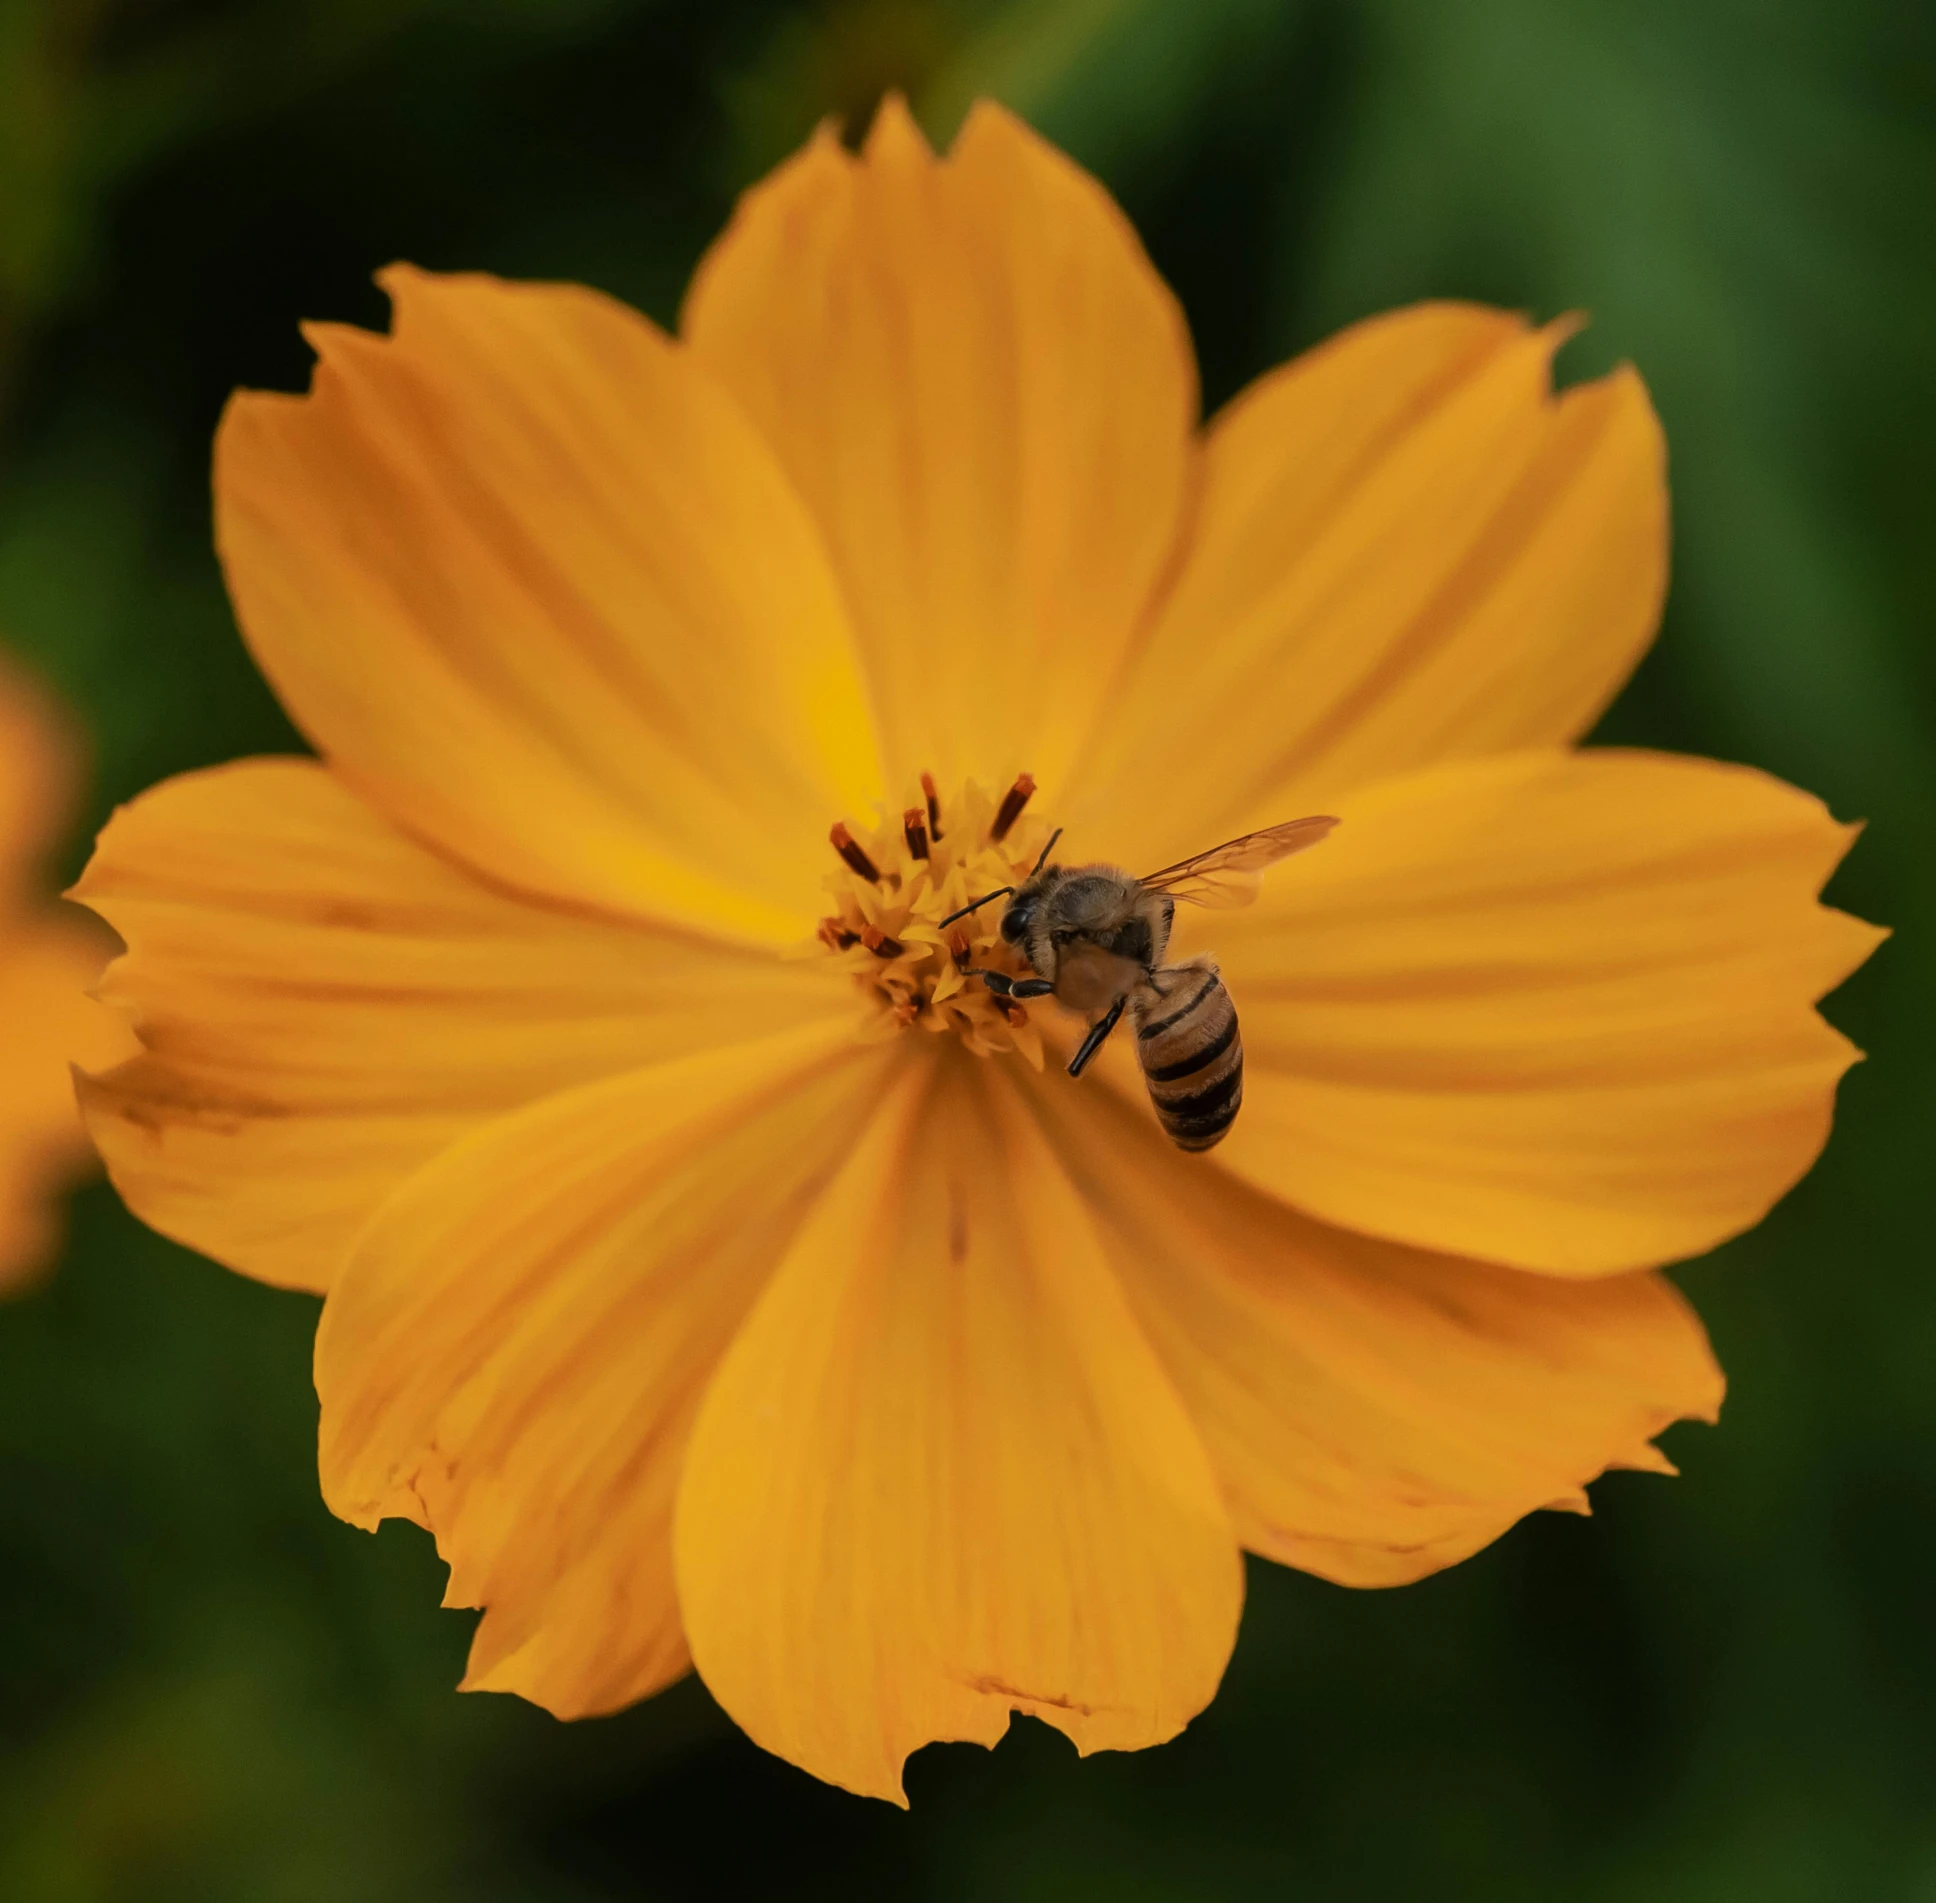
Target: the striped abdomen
pixel 1192 1056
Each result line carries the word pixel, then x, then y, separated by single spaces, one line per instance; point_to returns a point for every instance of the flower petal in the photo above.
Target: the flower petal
pixel 1407 550
pixel 985 394
pixel 532 584
pixel 514 1355
pixel 48 1024
pixel 36 780
pixel 325 1004
pixel 939 1475
pixel 1551 1010
pixel 47 961
pixel 1374 1412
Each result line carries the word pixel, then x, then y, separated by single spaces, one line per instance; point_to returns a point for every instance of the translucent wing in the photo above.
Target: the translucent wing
pixel 1228 876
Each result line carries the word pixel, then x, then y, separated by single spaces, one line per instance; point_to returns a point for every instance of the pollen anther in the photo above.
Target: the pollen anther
pixel 897 926
pixel 1010 810
pixel 845 844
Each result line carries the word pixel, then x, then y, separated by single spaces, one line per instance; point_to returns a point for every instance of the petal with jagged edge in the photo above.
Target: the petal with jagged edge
pixel 986 396
pixel 1407 549
pixel 514 1354
pixel 1373 1411
pixel 940 1476
pixel 1554 1010
pixel 527 577
pixel 325 1004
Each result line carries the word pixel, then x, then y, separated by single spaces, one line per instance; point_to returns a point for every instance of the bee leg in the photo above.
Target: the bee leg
pixel 1003 986
pixel 1098 1031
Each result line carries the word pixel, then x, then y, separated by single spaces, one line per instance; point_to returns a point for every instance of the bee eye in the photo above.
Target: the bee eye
pixel 1015 922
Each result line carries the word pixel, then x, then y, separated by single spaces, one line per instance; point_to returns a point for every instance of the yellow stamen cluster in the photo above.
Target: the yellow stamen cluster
pixel 893 884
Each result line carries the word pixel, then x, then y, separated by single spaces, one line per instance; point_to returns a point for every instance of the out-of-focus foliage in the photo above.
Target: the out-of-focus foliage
pixel 91 92
pixel 1721 1687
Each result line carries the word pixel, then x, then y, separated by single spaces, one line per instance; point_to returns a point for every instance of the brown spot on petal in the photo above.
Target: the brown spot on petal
pixel 1000 1688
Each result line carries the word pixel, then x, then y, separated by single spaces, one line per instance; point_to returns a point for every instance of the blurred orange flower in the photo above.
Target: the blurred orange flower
pixel 47 959
pixel 709 1266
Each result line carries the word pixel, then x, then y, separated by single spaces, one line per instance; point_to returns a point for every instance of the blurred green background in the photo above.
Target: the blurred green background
pixel 1720 1687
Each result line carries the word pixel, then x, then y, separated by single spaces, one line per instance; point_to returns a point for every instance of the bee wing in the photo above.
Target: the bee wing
pixel 1229 875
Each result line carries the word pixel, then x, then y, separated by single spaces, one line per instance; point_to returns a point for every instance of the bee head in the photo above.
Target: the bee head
pixel 1018 920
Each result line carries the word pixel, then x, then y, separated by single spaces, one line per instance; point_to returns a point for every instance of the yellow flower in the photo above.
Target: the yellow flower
pixel 47 1023
pixel 708 1264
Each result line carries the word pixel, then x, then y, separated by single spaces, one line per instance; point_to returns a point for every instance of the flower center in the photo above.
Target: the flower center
pixel 894 886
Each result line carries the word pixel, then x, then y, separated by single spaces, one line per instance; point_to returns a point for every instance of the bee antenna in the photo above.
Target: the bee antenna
pixel 999 892
pixel 1046 850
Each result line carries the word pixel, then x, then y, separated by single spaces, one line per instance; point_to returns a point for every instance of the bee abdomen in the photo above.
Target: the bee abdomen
pixel 1193 1061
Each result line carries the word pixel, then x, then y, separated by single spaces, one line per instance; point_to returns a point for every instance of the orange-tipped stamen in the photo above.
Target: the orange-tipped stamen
pixel 848 847
pixel 1013 801
pixel 923 940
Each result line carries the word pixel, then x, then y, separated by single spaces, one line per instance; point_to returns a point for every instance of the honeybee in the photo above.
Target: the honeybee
pixel 1095 937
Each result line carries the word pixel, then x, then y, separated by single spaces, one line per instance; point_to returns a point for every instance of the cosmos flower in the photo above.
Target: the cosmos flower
pixel 47 958
pixel 722 1272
